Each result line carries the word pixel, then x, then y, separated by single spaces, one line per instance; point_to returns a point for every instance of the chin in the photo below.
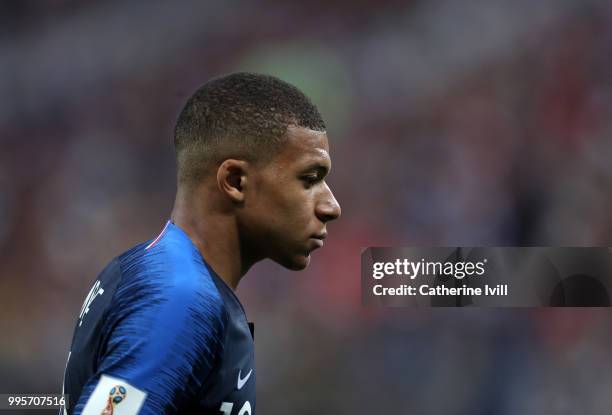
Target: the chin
pixel 295 263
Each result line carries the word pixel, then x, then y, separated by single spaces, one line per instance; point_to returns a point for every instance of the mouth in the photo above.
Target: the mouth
pixel 317 242
pixel 320 236
pixel 317 239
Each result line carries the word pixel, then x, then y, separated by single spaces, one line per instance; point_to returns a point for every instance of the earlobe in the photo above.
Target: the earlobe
pixel 232 179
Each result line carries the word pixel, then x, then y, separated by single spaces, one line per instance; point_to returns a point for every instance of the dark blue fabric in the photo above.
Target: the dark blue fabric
pixel 163 331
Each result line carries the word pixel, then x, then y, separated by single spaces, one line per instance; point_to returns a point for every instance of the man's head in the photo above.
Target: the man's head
pixel 259 147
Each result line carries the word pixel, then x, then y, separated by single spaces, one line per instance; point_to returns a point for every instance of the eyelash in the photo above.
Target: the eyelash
pixel 309 181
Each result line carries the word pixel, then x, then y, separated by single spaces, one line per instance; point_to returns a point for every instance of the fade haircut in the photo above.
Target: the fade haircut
pixel 241 115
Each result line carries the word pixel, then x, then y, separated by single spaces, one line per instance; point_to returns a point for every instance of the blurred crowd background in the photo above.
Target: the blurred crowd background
pixel 474 123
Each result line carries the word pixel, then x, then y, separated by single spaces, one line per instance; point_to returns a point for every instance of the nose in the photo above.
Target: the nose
pixel 328 207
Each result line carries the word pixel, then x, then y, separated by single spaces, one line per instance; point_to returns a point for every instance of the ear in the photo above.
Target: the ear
pixel 232 179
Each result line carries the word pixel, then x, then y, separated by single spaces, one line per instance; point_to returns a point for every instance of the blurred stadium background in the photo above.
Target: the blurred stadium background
pixel 451 123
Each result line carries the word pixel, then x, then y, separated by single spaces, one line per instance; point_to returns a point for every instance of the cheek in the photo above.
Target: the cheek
pixel 301 203
pixel 294 208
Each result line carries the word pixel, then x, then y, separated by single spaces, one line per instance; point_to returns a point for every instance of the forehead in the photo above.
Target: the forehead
pixel 305 146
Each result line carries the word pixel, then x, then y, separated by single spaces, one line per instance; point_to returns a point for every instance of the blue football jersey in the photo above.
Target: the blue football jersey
pixel 161 333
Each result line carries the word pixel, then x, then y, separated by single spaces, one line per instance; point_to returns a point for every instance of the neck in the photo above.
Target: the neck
pixel 214 232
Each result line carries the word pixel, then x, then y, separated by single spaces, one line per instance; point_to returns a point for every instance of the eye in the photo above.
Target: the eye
pixel 310 180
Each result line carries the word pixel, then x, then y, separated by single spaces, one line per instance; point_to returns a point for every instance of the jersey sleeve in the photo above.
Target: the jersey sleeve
pixel 161 340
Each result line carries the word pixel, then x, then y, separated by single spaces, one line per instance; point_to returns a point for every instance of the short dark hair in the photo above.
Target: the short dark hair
pixel 241 115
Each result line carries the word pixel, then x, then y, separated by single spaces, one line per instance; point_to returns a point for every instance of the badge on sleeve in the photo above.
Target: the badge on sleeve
pixel 114 396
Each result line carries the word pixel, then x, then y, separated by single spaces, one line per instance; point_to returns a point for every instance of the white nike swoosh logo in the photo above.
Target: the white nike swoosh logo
pixel 242 381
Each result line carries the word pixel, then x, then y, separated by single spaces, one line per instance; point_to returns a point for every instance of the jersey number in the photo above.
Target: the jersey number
pixel 226 408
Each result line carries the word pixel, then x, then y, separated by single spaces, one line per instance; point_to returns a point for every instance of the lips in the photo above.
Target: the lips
pixel 318 239
pixel 317 242
pixel 320 236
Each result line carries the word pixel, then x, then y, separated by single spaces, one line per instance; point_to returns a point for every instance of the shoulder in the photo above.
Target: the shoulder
pixel 168 283
pixel 166 279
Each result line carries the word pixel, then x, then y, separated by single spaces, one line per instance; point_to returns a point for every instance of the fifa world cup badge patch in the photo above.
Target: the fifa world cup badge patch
pixel 114 396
